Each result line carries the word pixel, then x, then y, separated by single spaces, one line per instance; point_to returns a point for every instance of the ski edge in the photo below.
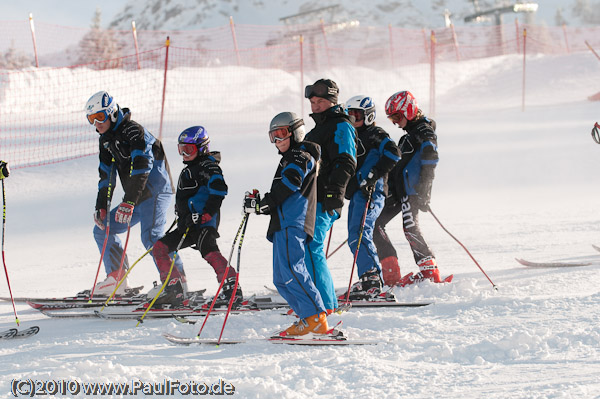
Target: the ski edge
pixel 552 264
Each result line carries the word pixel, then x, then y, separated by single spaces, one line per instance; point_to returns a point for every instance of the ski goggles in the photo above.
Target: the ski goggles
pixel 279 134
pixel 357 114
pixel 319 90
pixel 395 118
pixel 99 117
pixel 187 150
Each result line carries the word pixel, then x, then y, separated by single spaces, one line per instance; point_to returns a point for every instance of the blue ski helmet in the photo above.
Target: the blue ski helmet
pixel 195 135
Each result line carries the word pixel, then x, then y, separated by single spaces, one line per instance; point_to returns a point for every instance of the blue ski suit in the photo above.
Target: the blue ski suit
pixel 292 204
pixel 337 138
pixel 375 153
pixel 128 150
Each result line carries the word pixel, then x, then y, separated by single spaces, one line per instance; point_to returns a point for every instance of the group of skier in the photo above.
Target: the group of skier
pixel 345 156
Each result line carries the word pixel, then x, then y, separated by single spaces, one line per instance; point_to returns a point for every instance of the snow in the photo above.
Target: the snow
pixel 509 184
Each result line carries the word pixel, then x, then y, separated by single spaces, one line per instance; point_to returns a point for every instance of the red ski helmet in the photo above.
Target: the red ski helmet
pixel 402 102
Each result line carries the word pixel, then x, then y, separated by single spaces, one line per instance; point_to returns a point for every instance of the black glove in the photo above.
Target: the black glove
pixel 331 202
pixel 595 133
pixel 367 185
pixel 4 171
pixel 424 195
pixel 253 204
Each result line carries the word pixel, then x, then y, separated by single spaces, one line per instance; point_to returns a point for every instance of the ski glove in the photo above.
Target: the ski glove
pixel 595 134
pixel 124 212
pixel 367 185
pixel 331 202
pixel 99 217
pixel 4 171
pixel 424 195
pixel 253 204
pixel 197 218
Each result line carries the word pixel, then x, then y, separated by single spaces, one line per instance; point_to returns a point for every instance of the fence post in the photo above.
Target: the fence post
pixel 135 42
pixel 455 40
pixel 432 77
pixel 37 64
pixel 518 35
pixel 162 107
pixel 427 52
pixel 235 45
pixel 302 75
pixel 524 54
pixel 326 45
pixel 566 38
pixel 391 44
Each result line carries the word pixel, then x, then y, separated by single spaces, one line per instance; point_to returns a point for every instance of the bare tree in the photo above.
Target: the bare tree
pixel 100 45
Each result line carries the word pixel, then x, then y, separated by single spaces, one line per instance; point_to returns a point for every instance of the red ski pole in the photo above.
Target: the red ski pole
pixel 360 234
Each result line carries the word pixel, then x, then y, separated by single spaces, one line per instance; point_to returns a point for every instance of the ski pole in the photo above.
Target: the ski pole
pixel 596 133
pixel 12 299
pixel 337 249
pixel 329 242
pixel 124 254
pixel 465 248
pixel 108 201
pixel 360 234
pixel 168 276
pixel 237 279
pixel 244 219
pixel 131 268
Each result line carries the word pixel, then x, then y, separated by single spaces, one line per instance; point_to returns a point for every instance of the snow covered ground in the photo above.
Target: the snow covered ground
pixel 509 184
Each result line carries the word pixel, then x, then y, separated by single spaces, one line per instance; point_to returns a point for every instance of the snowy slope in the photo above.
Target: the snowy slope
pixel 509 184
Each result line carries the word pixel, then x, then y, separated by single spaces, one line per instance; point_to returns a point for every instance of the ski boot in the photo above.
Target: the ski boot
pixel 366 288
pixel 391 271
pixel 226 293
pixel 428 271
pixel 106 287
pixel 171 297
pixel 316 324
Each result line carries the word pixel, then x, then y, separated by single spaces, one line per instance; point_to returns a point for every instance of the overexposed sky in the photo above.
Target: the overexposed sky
pixel 74 13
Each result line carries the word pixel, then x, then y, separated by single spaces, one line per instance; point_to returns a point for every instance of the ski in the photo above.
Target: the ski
pixel 275 301
pixel 124 313
pixel 198 341
pixel 14 333
pixel 51 304
pixel 552 264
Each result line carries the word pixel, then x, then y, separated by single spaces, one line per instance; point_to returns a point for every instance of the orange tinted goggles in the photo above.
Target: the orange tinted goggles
pixel 279 134
pixel 187 149
pixel 99 117
pixel 395 118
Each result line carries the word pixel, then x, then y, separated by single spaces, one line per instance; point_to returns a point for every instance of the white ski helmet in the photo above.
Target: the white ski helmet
pixel 101 106
pixel 366 105
pixel 289 121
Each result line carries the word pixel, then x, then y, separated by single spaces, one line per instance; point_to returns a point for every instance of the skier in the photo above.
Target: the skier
pixel 376 155
pixel 292 203
pixel 129 150
pixel 4 171
pixel 200 192
pixel 337 139
pixel 410 185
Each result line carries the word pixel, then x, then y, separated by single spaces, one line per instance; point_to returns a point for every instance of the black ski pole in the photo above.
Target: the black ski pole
pixel 12 299
pixel 461 244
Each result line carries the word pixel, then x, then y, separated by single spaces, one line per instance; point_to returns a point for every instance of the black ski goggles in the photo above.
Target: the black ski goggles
pixel 319 90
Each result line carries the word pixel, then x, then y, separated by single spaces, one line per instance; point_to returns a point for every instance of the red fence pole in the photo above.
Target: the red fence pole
pixel 391 44
pixel 455 40
pixel 235 45
pixel 162 107
pixel 524 55
pixel 566 38
pixel 37 64
pixel 592 50
pixel 432 77
pixel 135 42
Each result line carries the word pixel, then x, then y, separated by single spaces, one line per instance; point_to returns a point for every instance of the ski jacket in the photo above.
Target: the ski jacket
pixel 337 138
pixel 139 160
pixel 419 157
pixel 375 152
pixel 201 189
pixel 292 199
